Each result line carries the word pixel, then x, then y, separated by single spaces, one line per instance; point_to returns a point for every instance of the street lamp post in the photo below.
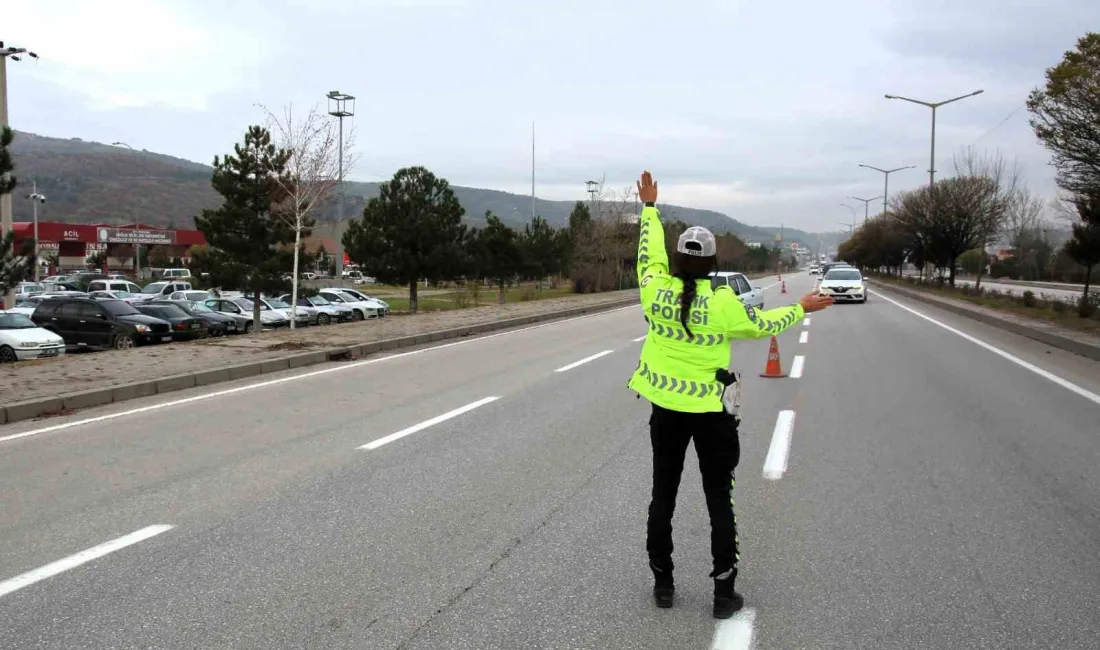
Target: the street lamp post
pixel 593 190
pixel 849 226
pixel 36 198
pixel 866 202
pixel 934 106
pixel 137 226
pixel 7 301
pixel 340 105
pixel 886 183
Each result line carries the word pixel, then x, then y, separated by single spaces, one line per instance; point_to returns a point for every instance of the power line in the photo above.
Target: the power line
pixel 1000 124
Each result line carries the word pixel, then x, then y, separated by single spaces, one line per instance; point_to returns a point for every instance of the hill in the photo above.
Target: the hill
pixel 91 182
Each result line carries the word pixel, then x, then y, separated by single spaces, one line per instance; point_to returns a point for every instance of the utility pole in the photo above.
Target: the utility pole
pixel 532 170
pixel 137 226
pixel 6 224
pixel 866 202
pixel 934 106
pixel 886 183
pixel 36 198
pixel 340 105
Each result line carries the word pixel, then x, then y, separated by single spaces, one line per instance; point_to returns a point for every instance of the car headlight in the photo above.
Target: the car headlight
pixel 142 328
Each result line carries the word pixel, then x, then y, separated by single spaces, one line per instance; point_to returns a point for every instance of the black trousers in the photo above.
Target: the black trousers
pixel 718 449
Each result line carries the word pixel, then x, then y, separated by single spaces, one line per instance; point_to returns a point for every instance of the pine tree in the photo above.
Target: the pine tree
pixel 248 241
pixel 501 256
pixel 15 267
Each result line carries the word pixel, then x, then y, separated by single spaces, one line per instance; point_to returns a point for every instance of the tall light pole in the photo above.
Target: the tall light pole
pixel 137 225
pixel 866 202
pixel 849 226
pixel 6 224
pixel 340 105
pixel 886 183
pixel 36 198
pixel 934 106
pixel 593 190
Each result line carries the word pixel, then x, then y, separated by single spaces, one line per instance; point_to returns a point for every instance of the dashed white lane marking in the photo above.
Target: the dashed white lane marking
pixel 806 322
pixel 1064 383
pixel 804 337
pixel 73 561
pixel 796 366
pixel 734 633
pixel 776 461
pixel 584 360
pixel 640 338
pixel 375 444
pixel 281 380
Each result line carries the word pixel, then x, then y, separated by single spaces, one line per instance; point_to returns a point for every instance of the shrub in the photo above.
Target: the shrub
pixel 1059 306
pixel 1029 298
pixel 1088 306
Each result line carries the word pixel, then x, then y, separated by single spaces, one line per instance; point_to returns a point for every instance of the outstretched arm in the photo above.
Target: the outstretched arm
pixel 744 322
pixel 652 258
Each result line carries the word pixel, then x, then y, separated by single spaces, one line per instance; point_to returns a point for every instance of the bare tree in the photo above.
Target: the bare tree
pixel 311 173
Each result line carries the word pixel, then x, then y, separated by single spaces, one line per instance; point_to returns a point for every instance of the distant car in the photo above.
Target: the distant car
pixel 844 283
pixel 28 289
pixel 100 323
pixel 112 285
pixel 814 270
pixel 355 293
pixel 825 268
pixel 190 296
pixel 363 309
pixel 53 279
pixel 324 311
pixel 175 274
pixel 112 295
pixel 161 290
pixel 305 315
pixel 22 339
pixel 184 326
pixel 751 295
pixel 217 323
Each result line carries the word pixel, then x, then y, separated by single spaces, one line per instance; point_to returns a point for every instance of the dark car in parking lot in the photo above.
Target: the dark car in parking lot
pixel 216 324
pixel 184 326
pixel 84 322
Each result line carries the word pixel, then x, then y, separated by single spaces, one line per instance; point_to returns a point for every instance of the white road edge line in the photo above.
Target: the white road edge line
pixel 1064 383
pixel 375 444
pixel 806 322
pixel 584 360
pixel 305 375
pixel 73 561
pixel 734 633
pixel 804 337
pixel 796 366
pixel 776 461
pixel 640 338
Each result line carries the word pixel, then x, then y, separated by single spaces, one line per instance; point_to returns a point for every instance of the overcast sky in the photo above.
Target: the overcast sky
pixel 759 110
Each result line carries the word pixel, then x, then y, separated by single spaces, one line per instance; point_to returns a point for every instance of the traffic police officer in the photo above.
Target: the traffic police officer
pixel 686 350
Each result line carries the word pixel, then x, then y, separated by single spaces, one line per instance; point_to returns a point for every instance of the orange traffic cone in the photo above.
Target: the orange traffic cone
pixel 783 289
pixel 773 368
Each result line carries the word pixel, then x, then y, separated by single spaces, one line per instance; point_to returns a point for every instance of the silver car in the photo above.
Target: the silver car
pixel 750 294
pixel 324 312
pixel 243 307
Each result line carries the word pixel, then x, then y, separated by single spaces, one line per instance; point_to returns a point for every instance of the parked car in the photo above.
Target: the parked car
pixel 113 295
pixel 80 280
pixel 84 322
pixel 175 274
pixel 355 293
pixel 26 306
pixel 160 290
pixel 190 296
pixel 325 311
pixel 123 285
pixel 363 309
pixel 54 279
pixel 236 323
pixel 305 315
pixel 243 307
pixel 216 324
pixel 28 289
pixel 184 326
pixel 751 295
pixel 22 339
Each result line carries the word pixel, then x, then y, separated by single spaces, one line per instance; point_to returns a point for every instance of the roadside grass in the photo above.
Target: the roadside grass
pixel 1057 312
pixel 468 297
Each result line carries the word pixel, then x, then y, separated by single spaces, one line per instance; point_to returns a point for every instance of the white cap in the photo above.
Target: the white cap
pixel 697 241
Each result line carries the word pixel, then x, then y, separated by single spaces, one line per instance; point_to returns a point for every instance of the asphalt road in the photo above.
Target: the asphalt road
pixel 937 494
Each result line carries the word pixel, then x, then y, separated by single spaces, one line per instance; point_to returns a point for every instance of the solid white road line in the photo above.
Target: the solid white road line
pixel 806 322
pixel 1064 383
pixel 584 360
pixel 281 380
pixel 73 561
pixel 776 461
pixel 804 337
pixel 796 366
pixel 640 338
pixel 375 444
pixel 734 633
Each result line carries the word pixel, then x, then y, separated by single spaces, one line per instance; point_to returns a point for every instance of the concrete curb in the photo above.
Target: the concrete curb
pixel 30 409
pixel 1054 340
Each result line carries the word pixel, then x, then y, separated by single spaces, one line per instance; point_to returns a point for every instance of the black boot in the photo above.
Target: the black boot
pixel 726 600
pixel 663 586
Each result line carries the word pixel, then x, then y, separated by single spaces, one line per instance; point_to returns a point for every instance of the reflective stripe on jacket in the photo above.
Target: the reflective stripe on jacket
pixel 677 370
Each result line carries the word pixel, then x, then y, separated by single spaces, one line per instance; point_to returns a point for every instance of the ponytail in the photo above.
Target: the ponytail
pixel 689 270
pixel 687 298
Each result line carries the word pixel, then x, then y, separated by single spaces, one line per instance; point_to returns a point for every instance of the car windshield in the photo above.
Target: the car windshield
pixel 15 322
pixel 347 296
pixel 171 311
pixel 200 307
pixel 32 288
pixel 277 304
pixel 155 287
pixel 196 295
pixel 319 301
pixel 843 274
pixel 118 308
pixel 122 294
pixel 246 304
